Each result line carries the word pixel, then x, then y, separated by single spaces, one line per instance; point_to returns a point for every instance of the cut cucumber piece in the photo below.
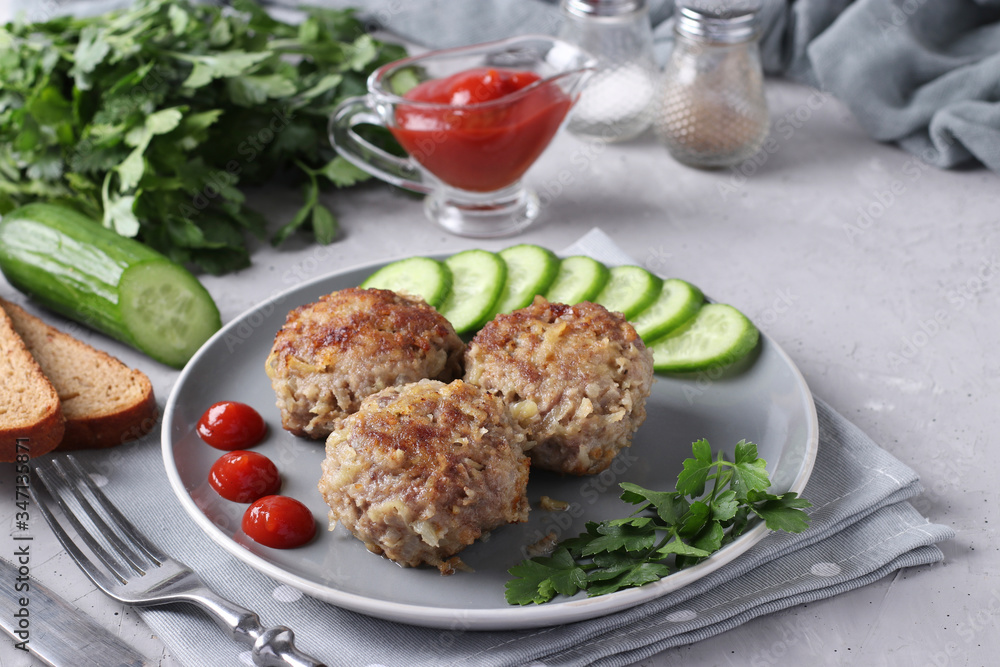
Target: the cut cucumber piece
pixel 424 277
pixel 718 335
pixel 530 271
pixel 678 302
pixel 67 262
pixel 580 278
pixel 164 308
pixel 629 290
pixel 478 277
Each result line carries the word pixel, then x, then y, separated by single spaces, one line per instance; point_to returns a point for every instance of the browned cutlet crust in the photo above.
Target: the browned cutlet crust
pixel 334 352
pixel 423 470
pixel 576 379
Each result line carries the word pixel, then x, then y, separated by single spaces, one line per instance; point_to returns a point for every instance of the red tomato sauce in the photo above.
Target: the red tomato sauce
pixel 231 425
pixel 243 477
pixel 474 147
pixel 279 522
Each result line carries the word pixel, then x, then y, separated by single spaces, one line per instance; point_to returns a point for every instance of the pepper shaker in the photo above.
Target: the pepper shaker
pixel 711 110
pixel 616 105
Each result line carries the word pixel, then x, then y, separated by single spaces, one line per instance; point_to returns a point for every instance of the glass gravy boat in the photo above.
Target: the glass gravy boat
pixel 468 154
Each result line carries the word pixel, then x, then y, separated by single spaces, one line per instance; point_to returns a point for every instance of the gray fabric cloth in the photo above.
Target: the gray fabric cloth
pixel 862 529
pixel 927 78
pixel 922 73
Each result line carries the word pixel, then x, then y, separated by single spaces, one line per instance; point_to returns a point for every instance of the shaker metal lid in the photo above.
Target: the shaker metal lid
pixel 603 7
pixel 726 22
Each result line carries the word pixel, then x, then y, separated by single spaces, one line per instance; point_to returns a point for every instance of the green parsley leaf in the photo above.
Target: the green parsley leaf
pixel 636 575
pixel 90 51
pixel 324 224
pixel 576 545
pixel 183 104
pixel 628 536
pixel 539 579
pixel 295 223
pixel 220 34
pixel 750 476
pixel 219 65
pixel 691 481
pixel 118 215
pixel 669 505
pixel 710 538
pixel 613 564
pixel 746 452
pixel 783 513
pixel 669 530
pixel 682 549
pixel 724 506
pixel 342 173
pixel 694 519
pixel 253 90
pixel 178 19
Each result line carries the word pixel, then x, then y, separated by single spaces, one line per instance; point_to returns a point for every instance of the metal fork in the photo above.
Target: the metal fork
pixel 134 571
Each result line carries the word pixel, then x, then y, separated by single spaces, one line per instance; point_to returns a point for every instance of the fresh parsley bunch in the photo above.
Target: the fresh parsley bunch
pixel 669 531
pixel 151 118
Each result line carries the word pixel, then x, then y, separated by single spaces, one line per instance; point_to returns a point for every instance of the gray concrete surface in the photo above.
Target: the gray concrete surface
pixel 876 273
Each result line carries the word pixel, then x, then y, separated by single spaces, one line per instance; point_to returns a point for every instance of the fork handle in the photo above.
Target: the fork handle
pixel 271 646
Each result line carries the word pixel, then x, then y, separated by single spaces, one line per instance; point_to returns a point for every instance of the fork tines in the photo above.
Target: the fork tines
pixel 98 523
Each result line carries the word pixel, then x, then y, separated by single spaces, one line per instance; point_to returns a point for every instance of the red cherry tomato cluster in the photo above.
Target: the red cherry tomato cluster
pixel 275 521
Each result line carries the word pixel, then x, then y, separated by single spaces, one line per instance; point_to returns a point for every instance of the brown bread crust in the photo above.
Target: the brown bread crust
pixel 37 420
pixel 105 403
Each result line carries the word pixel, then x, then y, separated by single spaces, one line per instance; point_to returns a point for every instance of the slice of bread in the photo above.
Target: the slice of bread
pixel 105 402
pixel 31 420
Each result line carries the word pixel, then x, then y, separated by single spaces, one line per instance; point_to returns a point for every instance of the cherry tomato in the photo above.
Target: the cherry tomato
pixel 230 425
pixel 243 477
pixel 279 522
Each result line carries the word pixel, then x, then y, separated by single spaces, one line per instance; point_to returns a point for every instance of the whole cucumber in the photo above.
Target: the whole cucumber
pixel 67 262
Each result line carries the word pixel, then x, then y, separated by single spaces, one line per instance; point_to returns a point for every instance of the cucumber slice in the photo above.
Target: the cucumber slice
pixel 530 271
pixel 478 277
pixel 718 335
pixel 629 290
pixel 678 302
pixel 424 277
pixel 580 278
pixel 166 310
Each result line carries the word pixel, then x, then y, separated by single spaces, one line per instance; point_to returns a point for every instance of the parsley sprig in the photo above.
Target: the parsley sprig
pixel 669 530
pixel 155 117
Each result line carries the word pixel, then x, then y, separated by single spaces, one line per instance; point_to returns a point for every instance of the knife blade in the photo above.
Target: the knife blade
pixel 58 633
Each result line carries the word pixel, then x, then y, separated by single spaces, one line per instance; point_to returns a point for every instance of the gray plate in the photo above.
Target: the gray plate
pixel 765 401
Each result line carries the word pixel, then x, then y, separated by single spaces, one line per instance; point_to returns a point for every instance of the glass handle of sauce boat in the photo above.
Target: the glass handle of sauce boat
pixel 399 171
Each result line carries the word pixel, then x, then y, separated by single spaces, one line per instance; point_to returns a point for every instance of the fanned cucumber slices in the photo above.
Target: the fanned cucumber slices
pixel 420 276
pixel 478 278
pixel 677 302
pixel 530 271
pixel 579 278
pixel 469 288
pixel 717 335
pixel 629 290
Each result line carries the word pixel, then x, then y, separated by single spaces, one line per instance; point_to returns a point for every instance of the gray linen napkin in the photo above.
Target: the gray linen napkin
pixel 862 529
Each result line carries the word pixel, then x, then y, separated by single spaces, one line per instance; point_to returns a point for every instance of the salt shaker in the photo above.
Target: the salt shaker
pixel 711 110
pixel 616 105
